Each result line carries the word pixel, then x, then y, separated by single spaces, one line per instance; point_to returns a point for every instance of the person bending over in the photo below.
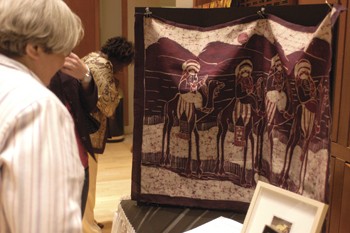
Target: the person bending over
pixel 116 54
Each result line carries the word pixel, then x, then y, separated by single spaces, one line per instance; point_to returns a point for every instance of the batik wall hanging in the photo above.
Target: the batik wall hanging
pixel 219 107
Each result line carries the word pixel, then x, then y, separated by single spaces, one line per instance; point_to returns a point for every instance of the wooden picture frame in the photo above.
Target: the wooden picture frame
pixel 277 207
pixel 212 3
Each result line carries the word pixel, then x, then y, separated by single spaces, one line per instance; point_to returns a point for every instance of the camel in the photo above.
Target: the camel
pixel 305 120
pixel 237 115
pixel 228 119
pixel 178 109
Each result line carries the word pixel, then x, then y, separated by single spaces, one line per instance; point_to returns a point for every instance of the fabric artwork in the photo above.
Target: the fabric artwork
pixel 225 106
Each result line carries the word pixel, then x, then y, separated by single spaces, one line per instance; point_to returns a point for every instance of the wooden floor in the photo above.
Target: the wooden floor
pixel 113 180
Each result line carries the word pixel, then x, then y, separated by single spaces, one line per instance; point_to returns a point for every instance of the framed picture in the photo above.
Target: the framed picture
pixel 273 209
pixel 269 229
pixel 212 3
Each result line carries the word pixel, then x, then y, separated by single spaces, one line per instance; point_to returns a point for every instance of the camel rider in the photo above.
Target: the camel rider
pixel 190 98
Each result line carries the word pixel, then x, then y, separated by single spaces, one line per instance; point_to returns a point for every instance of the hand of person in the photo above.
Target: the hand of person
pixel 75 67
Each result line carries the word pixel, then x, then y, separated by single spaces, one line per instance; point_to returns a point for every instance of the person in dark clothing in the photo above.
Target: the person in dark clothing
pixel 75 87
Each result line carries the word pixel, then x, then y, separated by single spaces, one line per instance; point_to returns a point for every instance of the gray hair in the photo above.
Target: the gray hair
pixel 49 24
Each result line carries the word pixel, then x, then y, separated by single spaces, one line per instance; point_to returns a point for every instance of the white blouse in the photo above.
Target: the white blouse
pixel 41 176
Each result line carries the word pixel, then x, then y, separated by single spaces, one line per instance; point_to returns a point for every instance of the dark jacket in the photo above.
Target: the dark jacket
pixel 82 103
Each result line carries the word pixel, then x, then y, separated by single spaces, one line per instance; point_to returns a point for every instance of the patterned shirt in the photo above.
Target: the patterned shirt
pixel 41 176
pixel 108 96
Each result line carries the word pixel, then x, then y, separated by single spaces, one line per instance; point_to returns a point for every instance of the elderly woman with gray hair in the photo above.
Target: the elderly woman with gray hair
pixel 41 175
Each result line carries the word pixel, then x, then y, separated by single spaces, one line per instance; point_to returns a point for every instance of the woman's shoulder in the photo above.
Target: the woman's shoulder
pixel 95 57
pixel 97 63
pixel 28 99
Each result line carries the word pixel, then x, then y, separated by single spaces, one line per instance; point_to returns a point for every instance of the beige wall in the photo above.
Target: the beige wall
pixel 167 3
pixel 131 35
pixel 111 25
pixel 184 3
pixel 110 17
